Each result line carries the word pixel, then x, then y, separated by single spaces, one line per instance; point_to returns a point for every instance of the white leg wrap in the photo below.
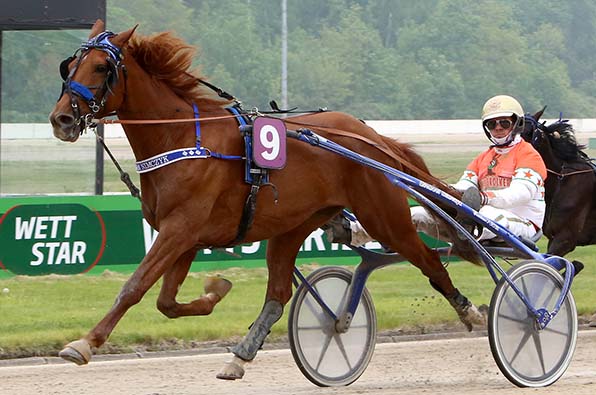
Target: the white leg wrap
pixel 359 235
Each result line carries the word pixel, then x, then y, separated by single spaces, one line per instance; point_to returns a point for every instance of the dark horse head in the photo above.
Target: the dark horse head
pixel 556 142
pixel 570 218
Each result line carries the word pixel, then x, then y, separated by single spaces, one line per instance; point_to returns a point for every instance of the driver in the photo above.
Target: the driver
pixel 505 182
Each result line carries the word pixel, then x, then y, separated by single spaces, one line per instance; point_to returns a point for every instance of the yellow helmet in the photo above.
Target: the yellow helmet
pixel 503 106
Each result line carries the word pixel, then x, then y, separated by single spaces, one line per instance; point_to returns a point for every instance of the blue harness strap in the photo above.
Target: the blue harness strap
pixel 241 118
pixel 195 109
pixel 253 174
pixel 196 152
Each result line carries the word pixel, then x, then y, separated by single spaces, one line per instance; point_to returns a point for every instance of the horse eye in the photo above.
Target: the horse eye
pixel 101 68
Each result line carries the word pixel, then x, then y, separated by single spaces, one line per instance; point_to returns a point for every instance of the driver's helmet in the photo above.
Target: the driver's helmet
pixel 503 106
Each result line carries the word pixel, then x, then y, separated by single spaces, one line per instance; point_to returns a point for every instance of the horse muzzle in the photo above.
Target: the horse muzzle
pixel 65 126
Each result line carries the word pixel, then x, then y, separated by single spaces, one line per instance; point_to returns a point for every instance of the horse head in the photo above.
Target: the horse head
pixel 532 127
pixel 555 142
pixel 94 82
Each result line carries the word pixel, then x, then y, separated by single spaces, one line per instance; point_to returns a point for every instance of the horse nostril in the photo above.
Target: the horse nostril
pixel 65 119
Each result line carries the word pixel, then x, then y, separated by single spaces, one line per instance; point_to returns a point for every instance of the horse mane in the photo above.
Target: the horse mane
pixel 168 59
pixel 563 142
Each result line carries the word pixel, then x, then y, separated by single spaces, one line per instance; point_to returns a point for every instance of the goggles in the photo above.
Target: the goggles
pixel 491 124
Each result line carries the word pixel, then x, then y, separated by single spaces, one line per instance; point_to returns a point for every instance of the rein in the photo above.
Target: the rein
pixel 162 121
pixel 563 175
pixel 381 147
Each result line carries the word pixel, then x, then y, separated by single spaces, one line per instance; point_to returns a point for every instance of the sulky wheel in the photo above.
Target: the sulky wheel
pixel 526 355
pixel 325 356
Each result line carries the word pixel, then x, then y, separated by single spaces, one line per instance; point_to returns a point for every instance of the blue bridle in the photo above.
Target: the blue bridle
pixel 72 88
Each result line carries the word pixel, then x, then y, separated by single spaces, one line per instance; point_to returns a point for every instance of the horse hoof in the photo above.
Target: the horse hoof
pixel 217 285
pixel 471 315
pixel 468 313
pixel 78 352
pixel 232 370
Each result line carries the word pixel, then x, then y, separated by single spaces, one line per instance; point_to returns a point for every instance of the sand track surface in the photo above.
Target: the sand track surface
pixel 462 365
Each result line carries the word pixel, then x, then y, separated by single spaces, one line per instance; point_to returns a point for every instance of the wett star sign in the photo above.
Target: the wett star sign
pixel 43 239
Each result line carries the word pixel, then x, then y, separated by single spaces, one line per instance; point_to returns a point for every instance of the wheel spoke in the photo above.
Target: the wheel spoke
pixel 547 298
pixel 342 349
pixel 539 352
pixel 515 319
pixel 309 328
pixel 548 329
pixel 520 346
pixel 323 351
pixel 358 326
pixel 513 301
pixel 316 309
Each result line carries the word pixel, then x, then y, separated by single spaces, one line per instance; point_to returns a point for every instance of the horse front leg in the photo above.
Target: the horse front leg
pixel 170 244
pixel 281 257
pixel 215 289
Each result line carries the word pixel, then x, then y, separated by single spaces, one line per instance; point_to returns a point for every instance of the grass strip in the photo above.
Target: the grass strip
pixel 40 314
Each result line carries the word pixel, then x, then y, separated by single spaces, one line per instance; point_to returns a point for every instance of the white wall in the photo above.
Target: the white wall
pixel 393 128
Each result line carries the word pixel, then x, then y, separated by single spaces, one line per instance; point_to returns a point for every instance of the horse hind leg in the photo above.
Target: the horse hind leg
pixel 215 289
pixel 407 243
pixel 281 256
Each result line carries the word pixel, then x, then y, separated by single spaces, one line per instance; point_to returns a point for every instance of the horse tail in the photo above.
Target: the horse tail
pixel 414 165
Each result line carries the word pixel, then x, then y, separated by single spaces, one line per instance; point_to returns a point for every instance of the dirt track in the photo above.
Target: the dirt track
pixel 462 365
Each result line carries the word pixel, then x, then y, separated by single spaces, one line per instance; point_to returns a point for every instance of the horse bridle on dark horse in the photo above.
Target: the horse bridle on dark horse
pixel 76 90
pixel 538 127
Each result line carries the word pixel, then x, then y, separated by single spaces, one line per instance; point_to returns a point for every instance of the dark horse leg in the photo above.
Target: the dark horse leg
pixel 562 229
pixel 281 256
pixel 172 243
pixel 562 243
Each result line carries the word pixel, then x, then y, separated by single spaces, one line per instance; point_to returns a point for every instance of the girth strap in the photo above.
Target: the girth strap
pixel 254 175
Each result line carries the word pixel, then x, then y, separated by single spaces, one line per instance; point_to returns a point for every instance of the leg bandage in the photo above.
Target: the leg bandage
pixel 248 347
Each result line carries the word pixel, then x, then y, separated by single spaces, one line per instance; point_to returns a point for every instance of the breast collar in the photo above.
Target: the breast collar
pixel 196 152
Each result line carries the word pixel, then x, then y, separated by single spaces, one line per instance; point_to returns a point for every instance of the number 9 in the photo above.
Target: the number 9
pixel 269 138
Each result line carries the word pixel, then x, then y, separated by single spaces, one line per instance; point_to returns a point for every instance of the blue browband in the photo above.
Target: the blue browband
pixel 103 43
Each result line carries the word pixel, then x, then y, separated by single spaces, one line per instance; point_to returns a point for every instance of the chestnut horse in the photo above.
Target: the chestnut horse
pixel 198 203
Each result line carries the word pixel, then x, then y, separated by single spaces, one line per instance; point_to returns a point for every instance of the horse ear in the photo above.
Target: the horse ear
pixel 98 27
pixel 539 113
pixel 122 38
